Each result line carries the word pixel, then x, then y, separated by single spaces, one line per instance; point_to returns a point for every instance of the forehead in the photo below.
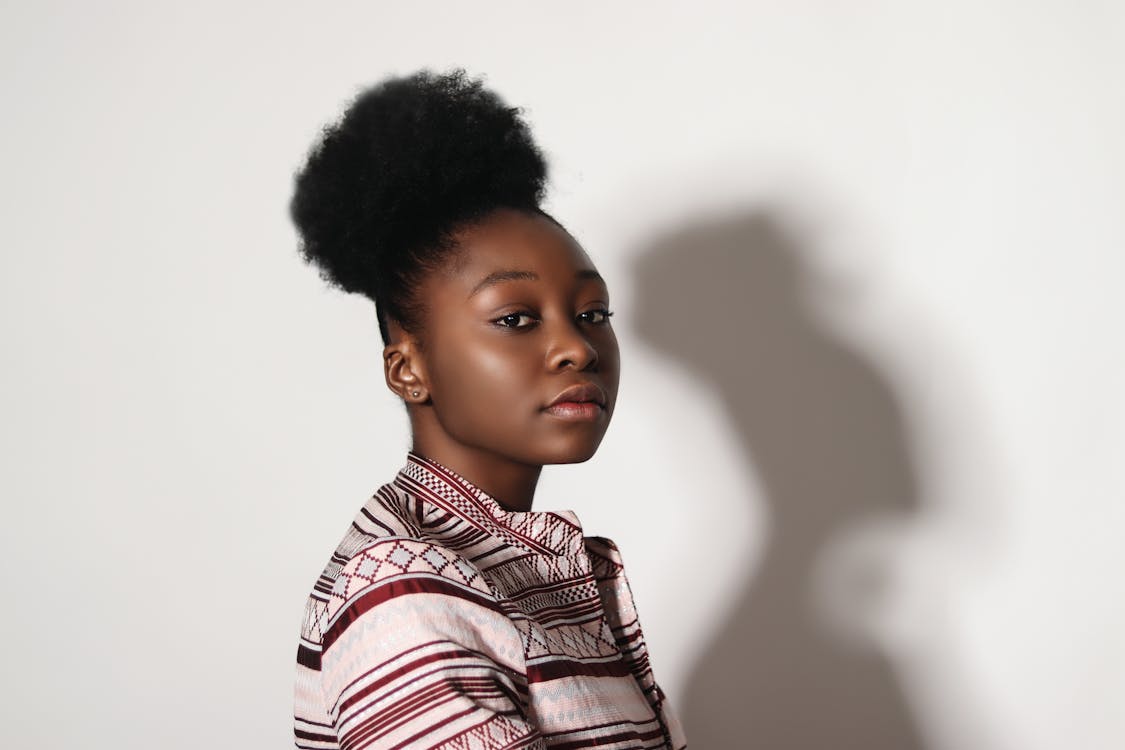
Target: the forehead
pixel 514 241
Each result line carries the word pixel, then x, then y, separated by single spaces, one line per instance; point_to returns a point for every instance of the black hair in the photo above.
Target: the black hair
pixel 412 160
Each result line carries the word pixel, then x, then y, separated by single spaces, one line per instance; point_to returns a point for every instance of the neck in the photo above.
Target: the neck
pixel 509 483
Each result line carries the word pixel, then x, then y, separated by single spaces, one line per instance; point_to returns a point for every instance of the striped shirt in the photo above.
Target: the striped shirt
pixel 444 620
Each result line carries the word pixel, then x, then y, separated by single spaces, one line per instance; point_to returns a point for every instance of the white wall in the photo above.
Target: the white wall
pixel 866 258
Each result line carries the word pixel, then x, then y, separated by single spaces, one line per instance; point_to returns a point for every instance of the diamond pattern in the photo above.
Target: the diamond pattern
pixel 565 597
pixel 400 557
pixel 435 558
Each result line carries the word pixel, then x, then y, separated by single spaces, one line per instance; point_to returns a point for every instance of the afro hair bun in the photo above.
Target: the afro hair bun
pixel 411 159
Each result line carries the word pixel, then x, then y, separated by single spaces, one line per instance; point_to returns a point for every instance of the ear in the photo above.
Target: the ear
pixel 405 370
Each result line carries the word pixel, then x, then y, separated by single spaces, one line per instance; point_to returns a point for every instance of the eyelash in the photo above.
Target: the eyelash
pixel 606 315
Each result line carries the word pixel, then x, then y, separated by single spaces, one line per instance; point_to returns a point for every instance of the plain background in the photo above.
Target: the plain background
pixel 866 259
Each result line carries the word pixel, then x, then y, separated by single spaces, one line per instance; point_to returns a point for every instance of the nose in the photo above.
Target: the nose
pixel 571 347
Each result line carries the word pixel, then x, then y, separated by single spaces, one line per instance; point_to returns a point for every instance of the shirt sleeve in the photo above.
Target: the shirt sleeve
pixel 608 568
pixel 419 654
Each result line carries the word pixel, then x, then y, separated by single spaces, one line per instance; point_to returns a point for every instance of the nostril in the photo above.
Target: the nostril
pixel 578 352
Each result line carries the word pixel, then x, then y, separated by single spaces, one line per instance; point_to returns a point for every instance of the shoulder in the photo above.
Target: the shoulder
pixel 395 557
pixel 401 594
pixel 389 512
pixel 389 515
pixel 393 567
pixel 385 531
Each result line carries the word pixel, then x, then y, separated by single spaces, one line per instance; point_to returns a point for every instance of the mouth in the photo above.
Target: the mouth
pixel 580 402
pixel 579 393
pixel 576 411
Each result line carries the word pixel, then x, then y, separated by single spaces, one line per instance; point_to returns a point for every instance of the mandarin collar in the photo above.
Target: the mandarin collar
pixel 538 531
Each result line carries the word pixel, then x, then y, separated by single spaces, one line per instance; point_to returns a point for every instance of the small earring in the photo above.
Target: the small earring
pixel 415 393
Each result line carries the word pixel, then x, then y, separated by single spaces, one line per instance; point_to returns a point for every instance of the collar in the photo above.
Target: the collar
pixel 538 532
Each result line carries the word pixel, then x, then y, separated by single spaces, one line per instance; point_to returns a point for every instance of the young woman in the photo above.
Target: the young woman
pixel 452 615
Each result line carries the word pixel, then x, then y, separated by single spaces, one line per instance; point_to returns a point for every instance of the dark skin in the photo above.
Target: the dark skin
pixel 487 363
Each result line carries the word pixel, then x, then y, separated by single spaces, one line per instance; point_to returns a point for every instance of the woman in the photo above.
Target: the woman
pixel 452 615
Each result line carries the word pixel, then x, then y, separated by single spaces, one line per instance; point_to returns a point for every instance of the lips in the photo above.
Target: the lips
pixel 580 393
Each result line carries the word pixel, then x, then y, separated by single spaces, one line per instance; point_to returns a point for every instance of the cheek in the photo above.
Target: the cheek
pixel 613 351
pixel 487 382
pixel 611 359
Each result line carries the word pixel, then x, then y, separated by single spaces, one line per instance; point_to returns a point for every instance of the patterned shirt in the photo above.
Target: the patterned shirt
pixel 444 620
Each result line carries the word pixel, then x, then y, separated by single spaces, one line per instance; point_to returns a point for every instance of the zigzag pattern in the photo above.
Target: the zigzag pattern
pixel 443 620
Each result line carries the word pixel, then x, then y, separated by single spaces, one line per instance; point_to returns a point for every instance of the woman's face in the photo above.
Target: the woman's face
pixel 518 318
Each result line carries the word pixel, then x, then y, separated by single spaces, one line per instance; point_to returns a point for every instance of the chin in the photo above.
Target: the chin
pixel 572 453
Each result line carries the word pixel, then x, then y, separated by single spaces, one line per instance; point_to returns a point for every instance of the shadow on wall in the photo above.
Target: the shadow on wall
pixel 726 300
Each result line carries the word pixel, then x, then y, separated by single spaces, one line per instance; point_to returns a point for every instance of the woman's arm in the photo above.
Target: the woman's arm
pixel 419 654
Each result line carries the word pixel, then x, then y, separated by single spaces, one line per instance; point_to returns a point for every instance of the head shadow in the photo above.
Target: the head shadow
pixel 728 299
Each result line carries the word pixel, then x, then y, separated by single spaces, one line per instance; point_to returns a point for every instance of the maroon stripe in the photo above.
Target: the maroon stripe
pixel 628 730
pixel 445 476
pixel 608 739
pixel 553 670
pixel 529 590
pixel 459 740
pixel 379 724
pixel 375 521
pixel 390 588
pixel 481 556
pixel 411 740
pixel 406 669
pixel 392 718
pixel 424 696
pixel 519 697
pixel 313 736
pixel 575 612
pixel 308 657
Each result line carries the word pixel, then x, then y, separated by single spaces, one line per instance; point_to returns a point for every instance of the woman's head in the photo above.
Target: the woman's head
pixel 425 198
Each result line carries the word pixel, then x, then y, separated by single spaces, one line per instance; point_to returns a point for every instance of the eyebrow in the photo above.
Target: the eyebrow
pixel 512 274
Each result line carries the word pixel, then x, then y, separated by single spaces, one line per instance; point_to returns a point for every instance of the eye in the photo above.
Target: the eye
pixel 601 316
pixel 513 317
